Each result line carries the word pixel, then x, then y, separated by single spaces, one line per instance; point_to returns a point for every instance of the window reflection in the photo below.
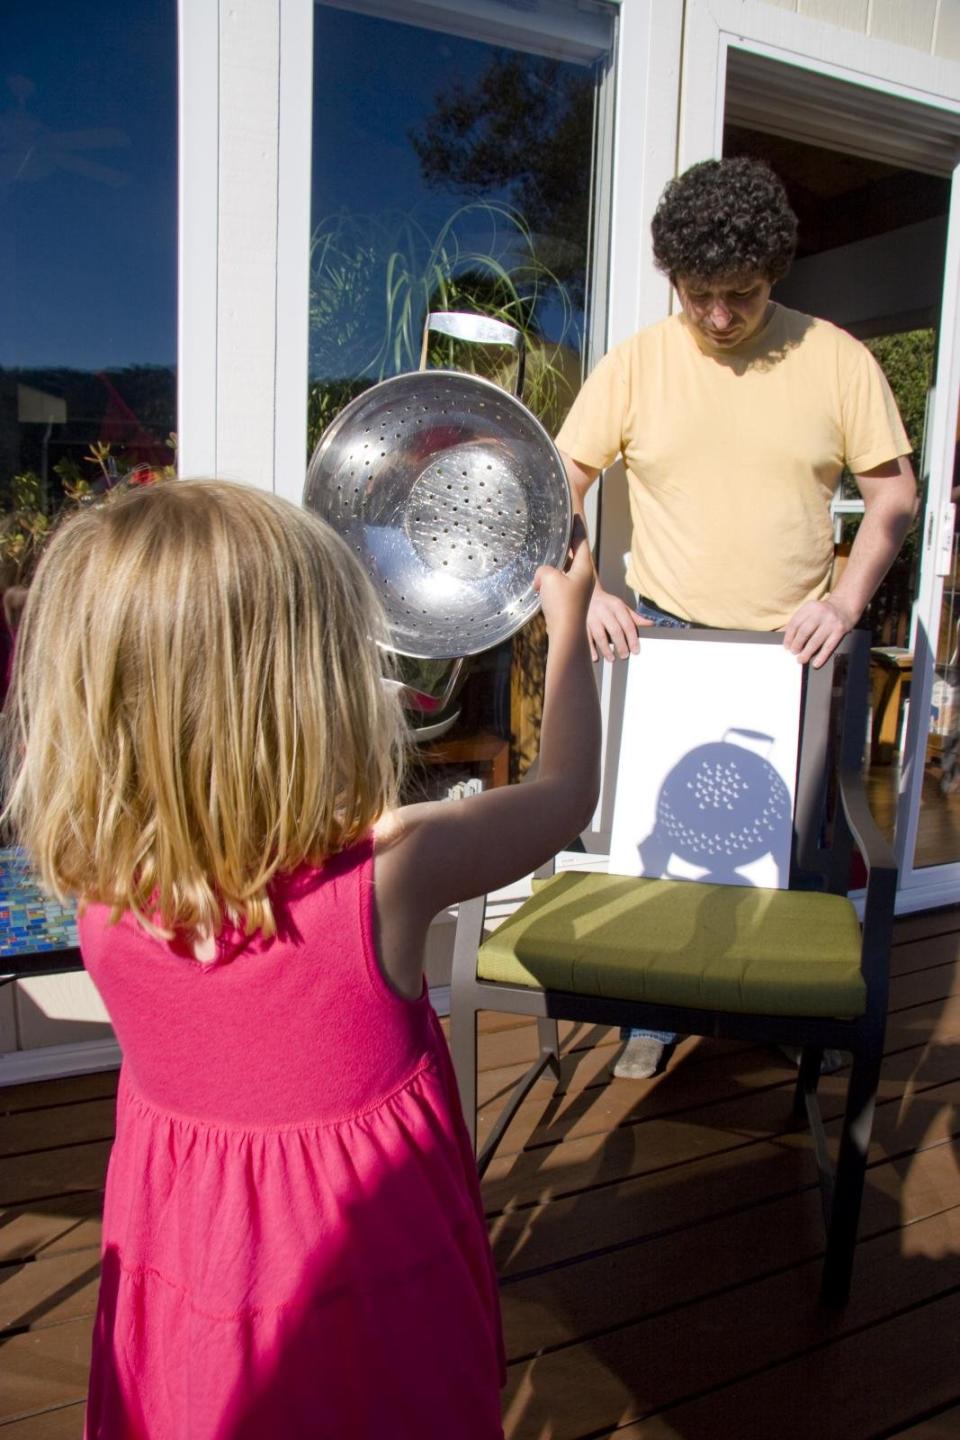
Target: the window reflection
pixel 456 170
pixel 87 255
pixel 448 173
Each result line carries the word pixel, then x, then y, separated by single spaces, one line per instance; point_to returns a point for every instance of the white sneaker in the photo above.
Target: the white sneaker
pixel 832 1059
pixel 639 1058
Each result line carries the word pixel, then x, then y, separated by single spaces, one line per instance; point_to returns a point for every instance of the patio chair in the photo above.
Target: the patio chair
pixel 791 966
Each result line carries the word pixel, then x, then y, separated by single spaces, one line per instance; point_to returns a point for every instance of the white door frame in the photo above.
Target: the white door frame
pixel 245 124
pixel 712 28
pixel 649 47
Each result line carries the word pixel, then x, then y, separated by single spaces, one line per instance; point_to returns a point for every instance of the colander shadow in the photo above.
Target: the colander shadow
pixel 720 808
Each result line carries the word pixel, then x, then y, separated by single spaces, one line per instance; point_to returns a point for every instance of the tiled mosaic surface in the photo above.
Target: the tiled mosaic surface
pixel 29 919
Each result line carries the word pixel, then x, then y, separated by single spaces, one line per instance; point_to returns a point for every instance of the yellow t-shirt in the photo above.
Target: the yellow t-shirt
pixel 732 459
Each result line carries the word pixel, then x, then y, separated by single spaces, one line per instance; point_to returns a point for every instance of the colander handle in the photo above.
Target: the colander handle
pixel 477 330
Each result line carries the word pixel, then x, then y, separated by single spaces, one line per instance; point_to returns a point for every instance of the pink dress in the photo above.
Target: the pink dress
pixel 293 1243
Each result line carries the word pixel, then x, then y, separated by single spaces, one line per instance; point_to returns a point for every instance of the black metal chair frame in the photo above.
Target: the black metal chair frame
pixel 830 815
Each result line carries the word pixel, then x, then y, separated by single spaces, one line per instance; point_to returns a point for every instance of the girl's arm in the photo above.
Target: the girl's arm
pixel 434 854
pixel 611 625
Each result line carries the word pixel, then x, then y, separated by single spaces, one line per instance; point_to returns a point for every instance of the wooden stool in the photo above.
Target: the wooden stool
pixel 489 754
pixel 891 670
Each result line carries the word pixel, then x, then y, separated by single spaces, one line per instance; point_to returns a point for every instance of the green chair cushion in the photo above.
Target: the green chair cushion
pixel 682 942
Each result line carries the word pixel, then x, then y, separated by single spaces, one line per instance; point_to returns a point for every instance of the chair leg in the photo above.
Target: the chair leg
pixel 548 1035
pixel 848 1182
pixel 463 1049
pixel 808 1077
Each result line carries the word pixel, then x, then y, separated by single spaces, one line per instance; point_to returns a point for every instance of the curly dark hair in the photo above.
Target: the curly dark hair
pixel 725 217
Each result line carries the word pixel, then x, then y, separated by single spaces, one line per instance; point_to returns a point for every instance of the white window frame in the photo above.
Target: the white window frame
pixel 244 234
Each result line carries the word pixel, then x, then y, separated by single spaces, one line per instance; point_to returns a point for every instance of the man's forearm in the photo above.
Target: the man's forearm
pixel 877 543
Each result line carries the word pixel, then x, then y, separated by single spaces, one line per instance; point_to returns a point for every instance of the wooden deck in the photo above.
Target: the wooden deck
pixel 659 1243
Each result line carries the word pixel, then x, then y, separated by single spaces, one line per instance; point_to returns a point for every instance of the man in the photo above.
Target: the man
pixel 735 419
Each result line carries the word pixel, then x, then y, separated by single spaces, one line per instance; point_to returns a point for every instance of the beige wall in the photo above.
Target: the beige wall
pixel 932 26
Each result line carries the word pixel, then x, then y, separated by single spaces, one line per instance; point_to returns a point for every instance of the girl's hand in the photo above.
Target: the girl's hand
pixel 565 594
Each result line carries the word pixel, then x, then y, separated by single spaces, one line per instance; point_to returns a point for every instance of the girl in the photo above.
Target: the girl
pixel 202 749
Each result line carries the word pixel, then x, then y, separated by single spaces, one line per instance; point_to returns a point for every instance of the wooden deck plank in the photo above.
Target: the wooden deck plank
pixel 653 1366
pixel 587 1100
pixel 535 1175
pixel 45 1094
pixel 858 1386
pixel 27 1131
pixel 45 1367
pixel 613 1283
pixel 920 954
pixel 926 923
pixel 659 1242
pixel 624 1283
pixel 46 1292
pixel 47 1173
pixel 945 1426
pixel 50 1227
pixel 64 1423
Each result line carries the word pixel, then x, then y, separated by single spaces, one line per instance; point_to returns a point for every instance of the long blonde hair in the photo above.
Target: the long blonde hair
pixel 197 704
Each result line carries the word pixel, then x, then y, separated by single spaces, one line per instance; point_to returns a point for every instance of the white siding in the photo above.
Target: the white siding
pixel 910 24
pixel 931 26
pixel 8 1024
pixel 850 14
pixel 946 38
pixel 60 1010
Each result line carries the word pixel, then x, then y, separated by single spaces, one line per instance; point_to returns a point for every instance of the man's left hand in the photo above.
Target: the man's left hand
pixel 816 629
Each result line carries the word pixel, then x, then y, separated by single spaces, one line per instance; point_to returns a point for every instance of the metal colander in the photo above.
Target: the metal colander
pixel 452 494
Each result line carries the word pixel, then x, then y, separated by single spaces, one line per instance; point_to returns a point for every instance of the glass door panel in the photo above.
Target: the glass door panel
pixel 457 167
pixel 88 257
pixel 938 821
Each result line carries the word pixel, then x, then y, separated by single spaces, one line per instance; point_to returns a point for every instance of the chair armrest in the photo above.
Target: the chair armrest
pixel 878 906
pixel 877 852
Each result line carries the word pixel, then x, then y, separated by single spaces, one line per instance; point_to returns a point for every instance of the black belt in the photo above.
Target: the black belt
pixel 669 615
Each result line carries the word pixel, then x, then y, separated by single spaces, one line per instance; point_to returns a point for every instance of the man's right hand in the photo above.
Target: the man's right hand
pixel 612 626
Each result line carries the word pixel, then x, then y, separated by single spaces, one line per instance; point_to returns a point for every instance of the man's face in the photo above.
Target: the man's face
pixel 727 310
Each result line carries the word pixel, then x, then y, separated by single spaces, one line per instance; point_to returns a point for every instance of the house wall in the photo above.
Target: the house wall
pixel 244 202
pixel 932 26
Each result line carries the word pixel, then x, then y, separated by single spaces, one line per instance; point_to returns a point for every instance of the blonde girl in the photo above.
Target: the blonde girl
pixel 201 748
